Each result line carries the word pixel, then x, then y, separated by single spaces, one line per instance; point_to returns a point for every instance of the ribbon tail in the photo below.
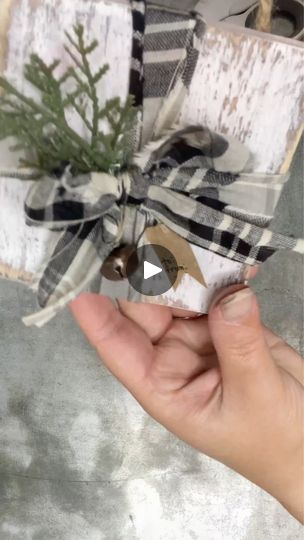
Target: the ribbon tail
pixel 216 231
pixel 170 110
pixel 40 318
pixel 172 106
pixel 74 265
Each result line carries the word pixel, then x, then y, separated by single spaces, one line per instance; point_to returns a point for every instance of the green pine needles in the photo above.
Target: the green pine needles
pixel 41 128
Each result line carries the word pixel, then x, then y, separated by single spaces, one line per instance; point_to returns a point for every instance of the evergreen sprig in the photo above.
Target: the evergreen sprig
pixel 41 128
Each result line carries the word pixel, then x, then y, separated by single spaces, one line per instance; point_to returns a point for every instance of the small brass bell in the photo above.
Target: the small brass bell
pixel 115 266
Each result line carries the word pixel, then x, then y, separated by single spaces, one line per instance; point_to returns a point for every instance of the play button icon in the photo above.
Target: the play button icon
pixel 152 270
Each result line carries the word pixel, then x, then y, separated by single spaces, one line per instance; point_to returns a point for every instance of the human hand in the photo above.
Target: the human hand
pixel 224 383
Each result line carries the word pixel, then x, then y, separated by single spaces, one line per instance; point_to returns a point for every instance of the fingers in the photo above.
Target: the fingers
pixel 174 365
pixel 194 333
pixel 152 319
pixel 285 356
pixel 184 348
pixel 158 321
pixel 235 326
pixel 251 272
pixel 179 313
pixel 124 348
pixel 204 388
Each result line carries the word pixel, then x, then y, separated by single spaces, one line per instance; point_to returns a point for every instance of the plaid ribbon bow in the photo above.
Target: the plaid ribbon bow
pixel 171 182
pixel 190 179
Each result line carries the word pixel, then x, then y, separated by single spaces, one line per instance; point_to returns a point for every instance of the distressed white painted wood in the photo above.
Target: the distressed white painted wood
pixel 39 26
pixel 247 84
pixel 250 86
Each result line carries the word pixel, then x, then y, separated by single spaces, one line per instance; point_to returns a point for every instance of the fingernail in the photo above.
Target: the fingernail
pixel 236 306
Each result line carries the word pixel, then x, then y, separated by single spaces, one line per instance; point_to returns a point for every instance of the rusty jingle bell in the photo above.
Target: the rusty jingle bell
pixel 115 266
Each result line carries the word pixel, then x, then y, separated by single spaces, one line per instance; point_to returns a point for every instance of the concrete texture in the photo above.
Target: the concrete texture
pixel 79 459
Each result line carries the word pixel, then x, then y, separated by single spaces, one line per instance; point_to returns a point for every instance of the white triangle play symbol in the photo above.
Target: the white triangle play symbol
pixel 151 270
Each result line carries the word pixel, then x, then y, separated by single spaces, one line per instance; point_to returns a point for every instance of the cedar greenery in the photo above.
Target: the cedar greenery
pixel 41 128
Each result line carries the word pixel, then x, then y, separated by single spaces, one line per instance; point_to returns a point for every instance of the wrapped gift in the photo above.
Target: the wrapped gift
pixel 194 161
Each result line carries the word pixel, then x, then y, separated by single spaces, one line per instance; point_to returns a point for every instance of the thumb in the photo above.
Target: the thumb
pixel 238 337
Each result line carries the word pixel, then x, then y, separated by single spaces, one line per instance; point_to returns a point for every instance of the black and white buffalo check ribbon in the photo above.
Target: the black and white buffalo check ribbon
pixel 190 179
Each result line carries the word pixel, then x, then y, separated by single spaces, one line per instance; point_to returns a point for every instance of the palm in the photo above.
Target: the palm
pixel 160 358
pixel 154 354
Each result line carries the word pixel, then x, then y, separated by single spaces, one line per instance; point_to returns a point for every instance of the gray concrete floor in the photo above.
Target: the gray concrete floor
pixel 79 459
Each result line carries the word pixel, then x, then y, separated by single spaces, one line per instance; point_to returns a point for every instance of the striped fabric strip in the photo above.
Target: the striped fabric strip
pixel 136 73
pixel 136 82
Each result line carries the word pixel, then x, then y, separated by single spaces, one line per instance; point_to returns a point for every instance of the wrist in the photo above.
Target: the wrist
pixel 288 489
pixel 284 480
pixel 293 499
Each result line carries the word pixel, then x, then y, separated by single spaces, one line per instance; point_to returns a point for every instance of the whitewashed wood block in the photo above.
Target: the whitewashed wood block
pixel 251 86
pixel 40 27
pixel 247 84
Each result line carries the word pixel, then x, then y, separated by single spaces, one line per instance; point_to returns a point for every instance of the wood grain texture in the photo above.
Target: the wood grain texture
pixel 250 86
pixel 22 248
pixel 247 84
